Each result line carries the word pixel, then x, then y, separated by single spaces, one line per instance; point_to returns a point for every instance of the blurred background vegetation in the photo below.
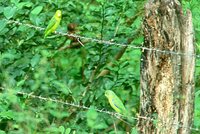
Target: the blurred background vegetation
pixel 58 67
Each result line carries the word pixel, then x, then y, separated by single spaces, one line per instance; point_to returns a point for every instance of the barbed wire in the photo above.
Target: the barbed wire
pixel 117 115
pixel 101 41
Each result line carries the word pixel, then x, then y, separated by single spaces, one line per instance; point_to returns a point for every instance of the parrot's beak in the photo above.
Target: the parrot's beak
pixel 106 94
pixel 59 13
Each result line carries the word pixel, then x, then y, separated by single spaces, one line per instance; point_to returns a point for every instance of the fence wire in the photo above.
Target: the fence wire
pixel 116 115
pixel 100 41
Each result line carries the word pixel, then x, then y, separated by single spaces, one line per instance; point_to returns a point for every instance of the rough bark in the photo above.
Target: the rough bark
pixel 167 79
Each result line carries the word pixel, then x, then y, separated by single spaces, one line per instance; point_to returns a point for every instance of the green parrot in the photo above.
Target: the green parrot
pixel 116 103
pixel 54 23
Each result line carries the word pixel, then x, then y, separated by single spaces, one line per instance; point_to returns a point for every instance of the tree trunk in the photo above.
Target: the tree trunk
pixel 167 79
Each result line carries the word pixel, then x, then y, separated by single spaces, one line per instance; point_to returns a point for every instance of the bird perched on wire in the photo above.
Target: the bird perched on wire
pixel 116 103
pixel 53 23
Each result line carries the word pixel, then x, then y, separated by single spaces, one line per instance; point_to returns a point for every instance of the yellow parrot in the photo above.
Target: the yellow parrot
pixel 54 23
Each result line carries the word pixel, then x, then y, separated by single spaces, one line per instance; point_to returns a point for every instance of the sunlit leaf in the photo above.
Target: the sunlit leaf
pixel 9 12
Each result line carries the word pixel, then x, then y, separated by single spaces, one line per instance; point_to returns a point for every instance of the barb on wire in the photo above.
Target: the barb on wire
pixel 101 41
pixel 116 115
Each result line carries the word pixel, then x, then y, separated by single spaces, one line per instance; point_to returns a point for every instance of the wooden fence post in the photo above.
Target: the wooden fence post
pixel 167 79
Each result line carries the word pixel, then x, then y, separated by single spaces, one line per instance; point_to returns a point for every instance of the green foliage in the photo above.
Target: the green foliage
pixel 94 121
pixel 29 63
pixel 34 65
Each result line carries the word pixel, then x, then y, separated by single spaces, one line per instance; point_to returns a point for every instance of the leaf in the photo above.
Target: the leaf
pixel 92 114
pixel 7 114
pixel 61 87
pixel 62 129
pixel 9 12
pixel 68 130
pixel 37 10
pixel 2 132
pixel 93 121
pixel 20 83
pixel 15 1
pixel 1 9
pixel 2 24
pixel 134 131
pixel 35 60
pixel 58 114
pixel 22 4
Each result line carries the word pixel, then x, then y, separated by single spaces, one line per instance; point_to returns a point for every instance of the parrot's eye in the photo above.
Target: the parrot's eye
pixel 106 94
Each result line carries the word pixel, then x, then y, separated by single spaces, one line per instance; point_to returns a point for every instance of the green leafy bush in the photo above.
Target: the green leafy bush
pixel 59 68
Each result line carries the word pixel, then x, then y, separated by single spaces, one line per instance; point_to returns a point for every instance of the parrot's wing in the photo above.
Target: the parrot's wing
pixel 118 103
pixel 50 25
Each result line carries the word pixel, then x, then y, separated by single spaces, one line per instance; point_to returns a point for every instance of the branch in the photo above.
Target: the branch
pixel 117 57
